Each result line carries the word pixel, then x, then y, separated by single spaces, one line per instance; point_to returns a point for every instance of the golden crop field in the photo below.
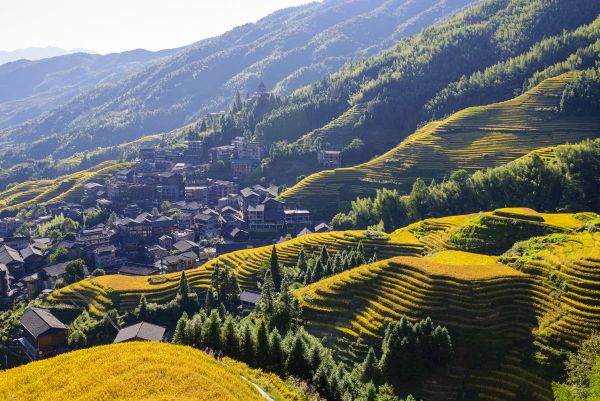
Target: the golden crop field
pixel 457 294
pixel 414 240
pixel 67 188
pixel 246 263
pixel 471 139
pixel 139 371
pixel 552 294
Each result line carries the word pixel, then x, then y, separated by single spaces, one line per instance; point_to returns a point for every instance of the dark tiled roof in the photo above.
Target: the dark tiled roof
pixel 304 232
pixel 250 296
pixel 9 255
pixel 140 331
pixel 137 270
pixel 38 321
pixel 321 227
pixel 105 249
pixel 257 208
pixel 185 245
pixel 30 251
pixel 246 192
pixel 56 270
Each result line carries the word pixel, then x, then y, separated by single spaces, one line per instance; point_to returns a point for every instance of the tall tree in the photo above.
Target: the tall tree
pixel 262 345
pixel 297 360
pixel 275 269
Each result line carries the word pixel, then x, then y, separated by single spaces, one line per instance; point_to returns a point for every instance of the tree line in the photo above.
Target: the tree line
pixel 566 182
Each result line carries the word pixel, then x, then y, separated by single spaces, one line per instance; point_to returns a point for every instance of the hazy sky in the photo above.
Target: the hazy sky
pixel 117 25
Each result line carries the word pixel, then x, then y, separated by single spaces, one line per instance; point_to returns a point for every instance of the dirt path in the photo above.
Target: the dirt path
pixel 262 392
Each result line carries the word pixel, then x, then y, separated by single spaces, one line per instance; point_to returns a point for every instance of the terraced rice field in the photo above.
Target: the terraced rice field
pixel 558 287
pixel 140 371
pixel 508 381
pixel 427 236
pixel 472 139
pixel 495 232
pixel 467 292
pixel 246 263
pixel 67 188
pixel 570 271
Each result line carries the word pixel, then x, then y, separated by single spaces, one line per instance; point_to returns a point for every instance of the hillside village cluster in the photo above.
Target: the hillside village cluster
pixel 199 219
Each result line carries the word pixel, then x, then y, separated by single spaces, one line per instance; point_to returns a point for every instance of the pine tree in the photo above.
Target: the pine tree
pixel 246 344
pixel 369 369
pixel 321 379
pixel 142 308
pixel 297 362
pixel 211 331
pixel 308 278
pixel 416 360
pixel 184 288
pixel 193 331
pixel 229 338
pixel 179 336
pixel 368 392
pixel 262 345
pixel 222 311
pixel 237 102
pixel 335 392
pixel 209 300
pixel 302 264
pixel 315 358
pixel 318 271
pixel 324 255
pixel 275 269
pixel 276 354
pixel 267 296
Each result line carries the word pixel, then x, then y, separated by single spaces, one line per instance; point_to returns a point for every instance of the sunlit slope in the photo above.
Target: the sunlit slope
pixel 453 232
pixel 139 371
pixel 472 139
pixel 552 293
pixel 454 284
pixel 99 293
pixel 67 188
pixel 457 289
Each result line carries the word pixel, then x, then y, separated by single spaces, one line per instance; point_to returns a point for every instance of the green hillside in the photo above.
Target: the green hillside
pixel 287 49
pixel 472 139
pixel 491 52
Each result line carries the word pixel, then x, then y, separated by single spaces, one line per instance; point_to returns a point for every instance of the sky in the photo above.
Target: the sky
pixel 108 26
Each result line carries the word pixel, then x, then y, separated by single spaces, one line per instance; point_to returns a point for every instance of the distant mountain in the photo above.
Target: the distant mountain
pixel 37 53
pixel 30 88
pixel 286 50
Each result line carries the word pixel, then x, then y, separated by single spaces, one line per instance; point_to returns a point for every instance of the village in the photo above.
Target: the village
pixel 163 214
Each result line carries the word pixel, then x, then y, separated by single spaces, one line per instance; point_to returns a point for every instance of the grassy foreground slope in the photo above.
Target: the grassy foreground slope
pixel 472 139
pixel 139 371
pixel 99 293
pixel 67 188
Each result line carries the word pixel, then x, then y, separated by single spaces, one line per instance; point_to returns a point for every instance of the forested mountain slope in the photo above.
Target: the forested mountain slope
pixel 287 49
pixel 472 139
pixel 30 88
pixel 489 53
